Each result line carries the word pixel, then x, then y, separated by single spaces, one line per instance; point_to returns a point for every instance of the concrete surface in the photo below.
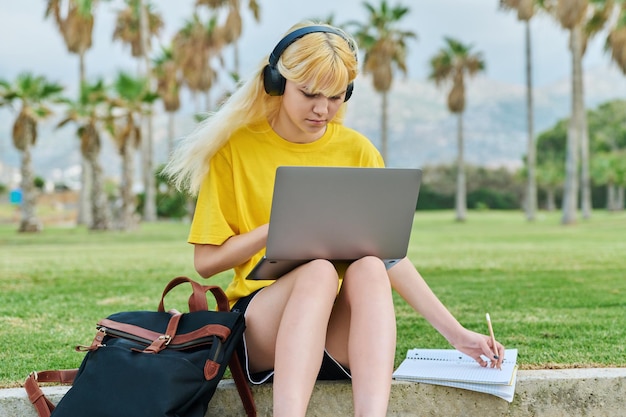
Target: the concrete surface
pixel 597 392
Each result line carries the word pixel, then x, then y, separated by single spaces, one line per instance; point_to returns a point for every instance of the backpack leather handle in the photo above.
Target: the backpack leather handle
pixel 197 299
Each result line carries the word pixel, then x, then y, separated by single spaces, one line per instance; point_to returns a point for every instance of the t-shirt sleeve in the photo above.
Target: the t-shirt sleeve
pixel 213 221
pixel 378 161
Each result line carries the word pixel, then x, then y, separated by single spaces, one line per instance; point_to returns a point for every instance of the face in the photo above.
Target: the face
pixel 304 114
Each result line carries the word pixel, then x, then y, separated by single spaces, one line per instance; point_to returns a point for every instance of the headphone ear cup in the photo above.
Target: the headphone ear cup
pixel 273 81
pixel 349 91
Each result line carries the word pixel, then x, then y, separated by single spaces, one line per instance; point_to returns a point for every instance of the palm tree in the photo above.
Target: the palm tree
pixel 616 40
pixel 525 11
pixel 86 113
pixel 34 93
pixel 168 88
pixel 583 19
pixel 128 26
pixel 571 18
pixel 193 47
pixel 452 63
pixel 230 31
pixel 76 27
pixel 136 25
pixel 385 48
pixel 123 123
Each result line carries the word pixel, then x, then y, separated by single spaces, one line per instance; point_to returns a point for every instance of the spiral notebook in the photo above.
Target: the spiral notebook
pixel 452 368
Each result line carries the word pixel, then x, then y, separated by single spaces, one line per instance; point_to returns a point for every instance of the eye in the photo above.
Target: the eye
pixel 309 95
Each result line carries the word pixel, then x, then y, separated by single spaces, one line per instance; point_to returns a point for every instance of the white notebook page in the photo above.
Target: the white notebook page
pixel 452 365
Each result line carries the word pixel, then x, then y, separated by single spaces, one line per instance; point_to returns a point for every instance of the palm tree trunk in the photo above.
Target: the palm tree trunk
pixel 550 200
pixel 531 189
pixel 610 196
pixel 149 209
pixel 461 197
pixel 90 146
pixel 383 124
pixel 28 221
pixel 101 219
pixel 585 176
pixel 207 100
pixel 128 198
pixel 570 192
pixel 149 183
pixel 196 102
pixel 236 57
pixel 171 131
pixel 85 205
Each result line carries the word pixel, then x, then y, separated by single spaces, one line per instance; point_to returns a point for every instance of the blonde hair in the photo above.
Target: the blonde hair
pixel 325 62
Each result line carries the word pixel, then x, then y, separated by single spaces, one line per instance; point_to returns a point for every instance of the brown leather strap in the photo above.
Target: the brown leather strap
pixel 197 300
pixel 241 381
pixel 43 405
pixel 218 330
pixel 95 344
pixel 245 393
pixel 220 296
pixel 163 340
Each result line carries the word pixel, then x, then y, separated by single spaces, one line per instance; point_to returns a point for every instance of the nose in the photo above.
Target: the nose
pixel 320 105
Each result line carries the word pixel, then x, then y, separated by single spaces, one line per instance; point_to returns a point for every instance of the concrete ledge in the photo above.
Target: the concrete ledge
pixel 597 392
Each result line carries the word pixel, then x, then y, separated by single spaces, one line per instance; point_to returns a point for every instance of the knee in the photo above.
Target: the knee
pixel 370 265
pixel 322 267
pixel 320 274
pixel 370 268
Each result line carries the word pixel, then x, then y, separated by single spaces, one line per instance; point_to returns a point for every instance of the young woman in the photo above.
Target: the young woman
pixel 315 322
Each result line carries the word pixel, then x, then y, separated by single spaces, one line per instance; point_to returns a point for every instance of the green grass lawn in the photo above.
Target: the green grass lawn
pixel 556 293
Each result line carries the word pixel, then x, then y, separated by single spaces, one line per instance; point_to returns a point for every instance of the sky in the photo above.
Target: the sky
pixel 29 42
pixel 36 45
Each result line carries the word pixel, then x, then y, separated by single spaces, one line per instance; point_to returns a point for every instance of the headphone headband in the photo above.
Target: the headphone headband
pixel 297 34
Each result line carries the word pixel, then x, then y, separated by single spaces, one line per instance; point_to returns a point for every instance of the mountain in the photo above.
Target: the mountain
pixel 421 130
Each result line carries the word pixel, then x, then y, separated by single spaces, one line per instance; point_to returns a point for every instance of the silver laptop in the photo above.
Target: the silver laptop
pixel 340 214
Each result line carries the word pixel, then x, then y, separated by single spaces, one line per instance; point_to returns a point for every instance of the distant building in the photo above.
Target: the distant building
pixel 9 176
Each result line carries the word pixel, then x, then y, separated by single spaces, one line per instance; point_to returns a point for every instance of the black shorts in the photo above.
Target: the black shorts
pixel 330 370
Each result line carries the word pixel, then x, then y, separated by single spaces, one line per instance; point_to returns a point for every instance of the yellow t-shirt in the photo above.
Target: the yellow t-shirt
pixel 236 195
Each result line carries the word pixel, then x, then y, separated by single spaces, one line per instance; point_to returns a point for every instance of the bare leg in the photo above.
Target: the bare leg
pixel 362 334
pixel 286 330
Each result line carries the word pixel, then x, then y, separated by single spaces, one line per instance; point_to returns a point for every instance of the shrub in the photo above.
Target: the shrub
pixel 486 198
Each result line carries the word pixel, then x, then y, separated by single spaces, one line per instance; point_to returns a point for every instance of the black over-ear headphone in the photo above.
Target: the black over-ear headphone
pixel 273 80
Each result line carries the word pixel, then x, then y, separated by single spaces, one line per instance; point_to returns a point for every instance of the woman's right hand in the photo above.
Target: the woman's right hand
pixel 478 346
